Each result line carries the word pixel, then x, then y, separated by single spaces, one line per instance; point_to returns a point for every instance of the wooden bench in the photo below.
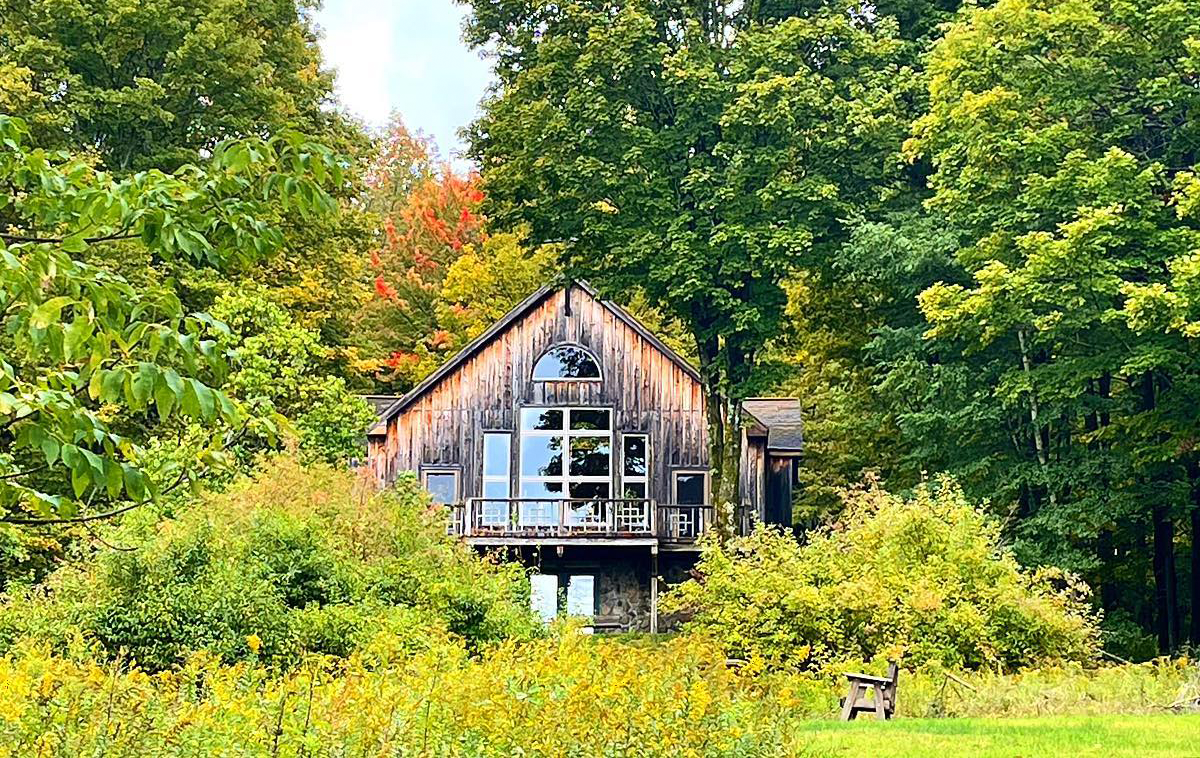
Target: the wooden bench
pixel 883 702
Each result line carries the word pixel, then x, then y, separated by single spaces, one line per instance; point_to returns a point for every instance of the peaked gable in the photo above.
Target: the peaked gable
pixel 524 310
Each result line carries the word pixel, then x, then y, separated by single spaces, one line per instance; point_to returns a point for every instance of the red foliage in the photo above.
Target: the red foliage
pixel 430 213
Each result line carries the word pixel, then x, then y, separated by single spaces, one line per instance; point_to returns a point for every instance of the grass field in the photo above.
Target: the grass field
pixel 1145 736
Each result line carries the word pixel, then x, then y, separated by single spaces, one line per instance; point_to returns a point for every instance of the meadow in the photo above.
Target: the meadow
pixel 297 614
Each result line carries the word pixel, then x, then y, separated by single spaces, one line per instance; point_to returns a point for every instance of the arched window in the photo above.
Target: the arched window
pixel 566 362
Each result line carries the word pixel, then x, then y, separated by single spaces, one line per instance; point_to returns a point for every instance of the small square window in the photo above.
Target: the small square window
pixel 442 486
pixel 691 487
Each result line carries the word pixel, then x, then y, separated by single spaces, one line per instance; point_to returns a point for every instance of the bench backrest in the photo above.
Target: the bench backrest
pixel 889 689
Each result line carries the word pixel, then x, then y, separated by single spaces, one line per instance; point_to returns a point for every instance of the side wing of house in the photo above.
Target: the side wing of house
pixel 568 396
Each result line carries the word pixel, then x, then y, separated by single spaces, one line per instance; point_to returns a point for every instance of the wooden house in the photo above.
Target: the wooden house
pixel 572 437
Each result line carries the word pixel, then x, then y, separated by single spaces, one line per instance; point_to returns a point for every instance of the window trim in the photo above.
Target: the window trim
pixel 643 479
pixel 595 359
pixel 453 470
pixel 676 473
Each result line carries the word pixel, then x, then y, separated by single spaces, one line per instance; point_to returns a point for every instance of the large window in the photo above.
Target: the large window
pixel 566 362
pixel 565 453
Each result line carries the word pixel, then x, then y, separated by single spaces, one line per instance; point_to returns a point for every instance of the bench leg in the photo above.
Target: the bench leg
pixel 880 712
pixel 848 712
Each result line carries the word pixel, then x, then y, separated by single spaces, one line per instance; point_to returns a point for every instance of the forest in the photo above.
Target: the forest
pixel 966 236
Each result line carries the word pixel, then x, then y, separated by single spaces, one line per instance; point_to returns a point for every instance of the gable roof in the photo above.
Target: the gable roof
pixel 782 419
pixel 522 308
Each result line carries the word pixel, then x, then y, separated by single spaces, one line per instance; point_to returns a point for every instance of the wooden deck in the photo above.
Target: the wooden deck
pixel 510 521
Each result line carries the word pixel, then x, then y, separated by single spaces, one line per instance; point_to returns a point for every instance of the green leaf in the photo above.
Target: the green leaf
pixel 135 483
pixel 50 448
pixel 49 312
pixel 143 383
pixel 80 477
pixel 164 398
pixel 203 402
pixel 112 386
pixel 114 479
pixel 76 334
pixel 95 461
pixel 75 243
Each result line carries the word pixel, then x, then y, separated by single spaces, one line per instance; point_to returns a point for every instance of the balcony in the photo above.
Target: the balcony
pixel 537 520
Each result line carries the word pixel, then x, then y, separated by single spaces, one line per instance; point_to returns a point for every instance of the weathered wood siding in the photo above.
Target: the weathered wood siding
pixel 647 391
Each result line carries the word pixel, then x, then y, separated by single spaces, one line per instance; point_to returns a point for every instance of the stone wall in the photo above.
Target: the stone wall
pixel 622 578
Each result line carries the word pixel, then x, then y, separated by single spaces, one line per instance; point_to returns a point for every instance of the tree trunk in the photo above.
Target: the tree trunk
pixel 1093 422
pixel 1166 588
pixel 1039 442
pixel 725 456
pixel 724 417
pixel 1194 582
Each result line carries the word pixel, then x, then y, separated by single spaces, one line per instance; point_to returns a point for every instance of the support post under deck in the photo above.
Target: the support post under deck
pixel 654 589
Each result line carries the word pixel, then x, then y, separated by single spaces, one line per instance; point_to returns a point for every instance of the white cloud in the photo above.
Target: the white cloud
pixel 405 56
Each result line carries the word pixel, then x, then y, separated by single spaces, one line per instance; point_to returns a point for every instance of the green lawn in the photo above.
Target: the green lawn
pixel 1172 735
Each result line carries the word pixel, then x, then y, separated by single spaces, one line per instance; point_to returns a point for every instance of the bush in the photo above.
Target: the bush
pixel 296 560
pixel 923 578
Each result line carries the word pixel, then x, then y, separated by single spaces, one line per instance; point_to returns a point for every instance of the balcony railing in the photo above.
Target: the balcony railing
pixel 564 518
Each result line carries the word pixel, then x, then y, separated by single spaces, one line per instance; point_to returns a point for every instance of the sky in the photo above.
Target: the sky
pixel 405 56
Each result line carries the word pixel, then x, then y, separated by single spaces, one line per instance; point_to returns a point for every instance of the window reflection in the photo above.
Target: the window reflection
pixel 541 456
pixel 689 488
pixel 590 456
pixel 566 362
pixel 541 419
pixel 442 487
pixel 635 455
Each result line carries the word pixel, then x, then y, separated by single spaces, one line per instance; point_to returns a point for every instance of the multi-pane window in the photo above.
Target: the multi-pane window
pixel 635 470
pixel 565 453
pixel 496 478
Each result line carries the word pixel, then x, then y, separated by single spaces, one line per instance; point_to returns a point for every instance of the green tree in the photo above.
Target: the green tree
pixel 91 363
pixel 156 84
pixel 280 366
pixel 1062 135
pixel 695 154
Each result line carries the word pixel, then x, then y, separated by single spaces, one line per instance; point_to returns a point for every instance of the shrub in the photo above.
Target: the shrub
pixel 923 578
pixel 297 560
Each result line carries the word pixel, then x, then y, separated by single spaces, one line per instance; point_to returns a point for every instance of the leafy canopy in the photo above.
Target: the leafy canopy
pixel 88 357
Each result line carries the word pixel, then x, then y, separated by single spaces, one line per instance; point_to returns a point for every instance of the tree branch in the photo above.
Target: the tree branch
pixel 19 474
pixel 18 239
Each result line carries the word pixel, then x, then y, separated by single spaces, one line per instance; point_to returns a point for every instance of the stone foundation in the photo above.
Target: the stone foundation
pixel 622 579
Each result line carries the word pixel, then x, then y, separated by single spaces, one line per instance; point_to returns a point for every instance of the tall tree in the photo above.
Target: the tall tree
pixel 698 154
pixel 1062 133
